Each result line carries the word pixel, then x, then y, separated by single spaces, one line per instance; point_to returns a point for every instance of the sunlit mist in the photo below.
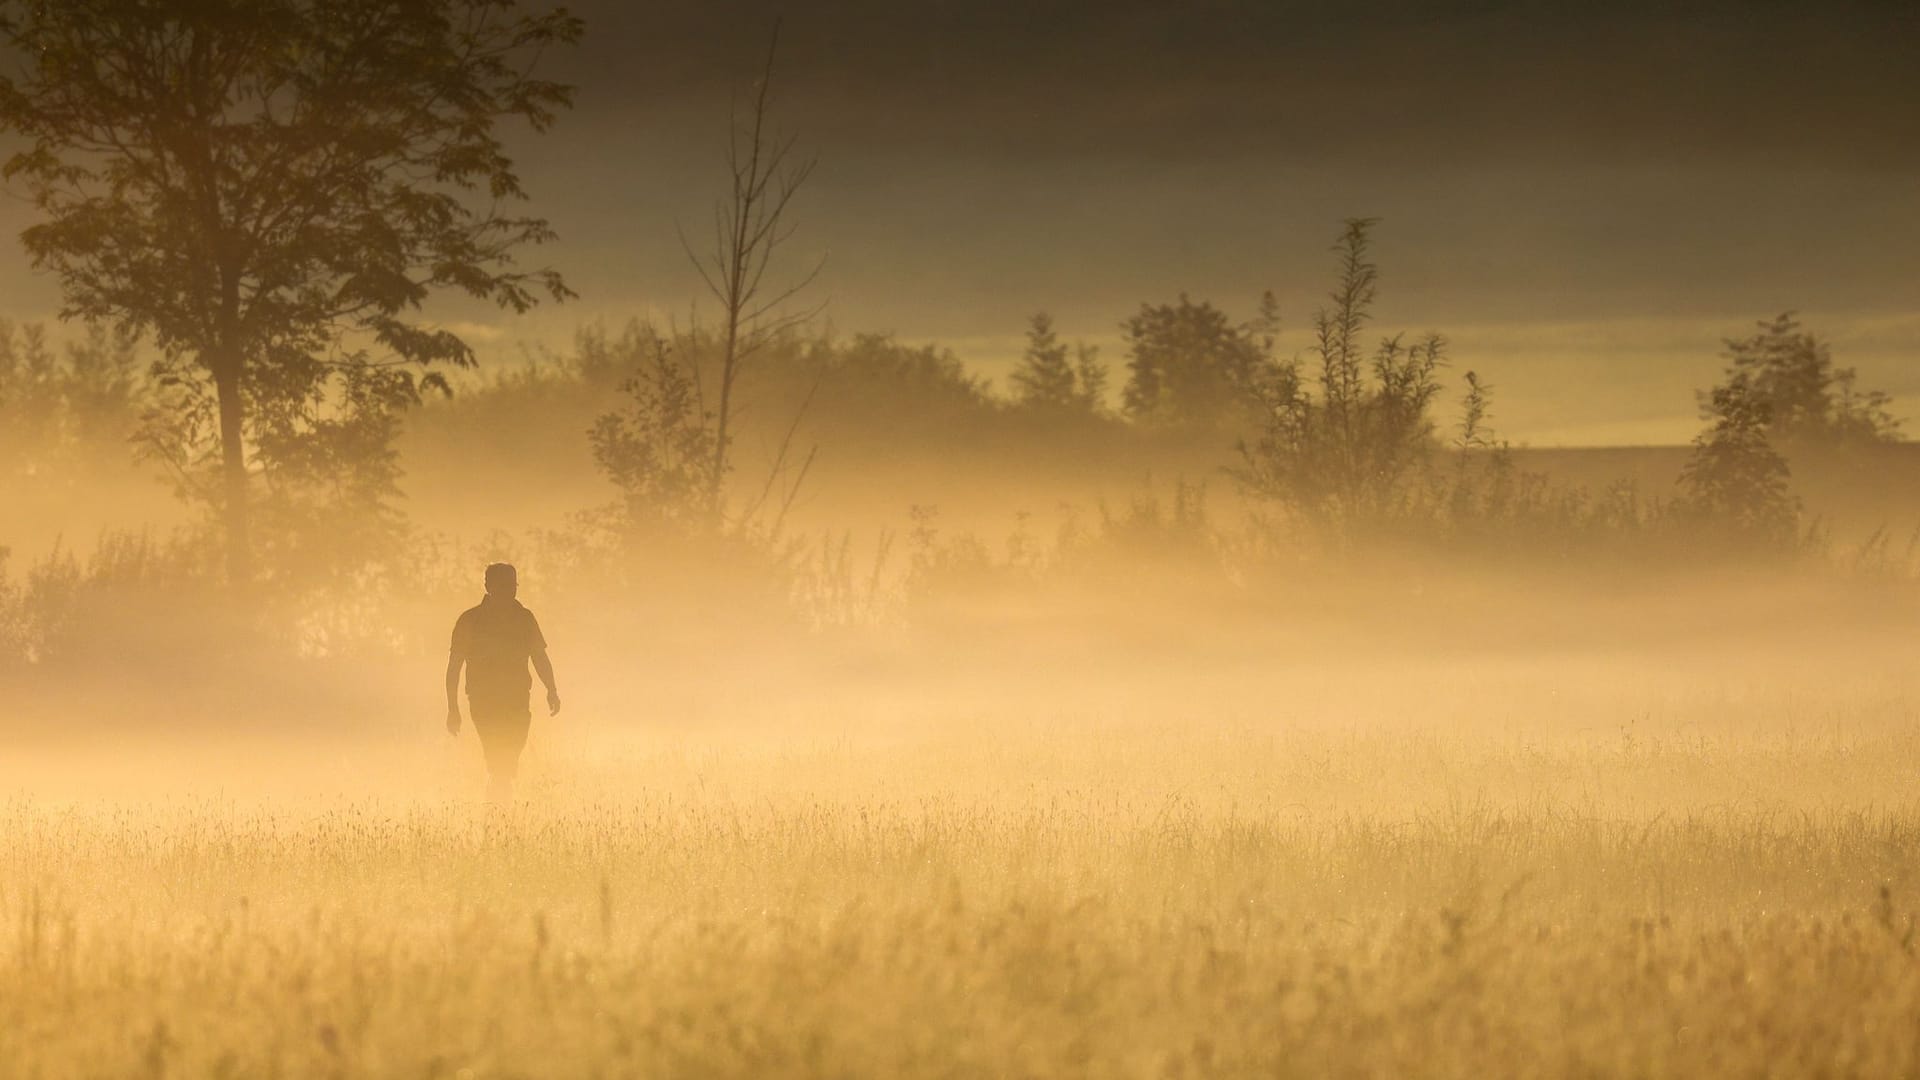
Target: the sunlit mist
pixel 1107 540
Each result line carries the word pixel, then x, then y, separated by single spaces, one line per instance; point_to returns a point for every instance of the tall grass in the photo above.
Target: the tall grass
pixel 1019 899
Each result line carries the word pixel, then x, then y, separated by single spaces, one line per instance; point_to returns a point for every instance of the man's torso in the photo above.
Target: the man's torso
pixel 497 639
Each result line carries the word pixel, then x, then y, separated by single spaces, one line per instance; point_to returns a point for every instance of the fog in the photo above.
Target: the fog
pixel 948 565
pixel 1113 540
pixel 971 730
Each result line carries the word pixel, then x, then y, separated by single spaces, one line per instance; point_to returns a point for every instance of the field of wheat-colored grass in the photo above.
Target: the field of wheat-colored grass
pixel 1719 882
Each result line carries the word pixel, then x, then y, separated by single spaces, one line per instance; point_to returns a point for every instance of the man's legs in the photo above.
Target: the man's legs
pixel 503 734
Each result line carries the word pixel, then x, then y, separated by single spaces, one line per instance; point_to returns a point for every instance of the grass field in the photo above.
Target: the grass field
pixel 1626 879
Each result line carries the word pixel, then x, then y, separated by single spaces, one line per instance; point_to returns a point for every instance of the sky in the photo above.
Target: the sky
pixel 1584 197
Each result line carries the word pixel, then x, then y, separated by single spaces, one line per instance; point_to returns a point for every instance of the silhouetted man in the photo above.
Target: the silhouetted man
pixel 495 641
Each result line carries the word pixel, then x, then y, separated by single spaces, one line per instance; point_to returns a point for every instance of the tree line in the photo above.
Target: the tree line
pixel 266 193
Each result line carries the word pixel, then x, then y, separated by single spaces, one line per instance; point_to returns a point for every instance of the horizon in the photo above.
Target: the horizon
pixel 1414 606
pixel 1585 244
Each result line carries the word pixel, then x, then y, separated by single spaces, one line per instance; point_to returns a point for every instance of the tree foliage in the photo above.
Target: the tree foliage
pixel 1346 452
pixel 671 449
pixel 1789 373
pixel 1044 378
pixel 60 406
pixel 1187 363
pixel 1053 376
pixel 1735 482
pixel 1090 373
pixel 658 448
pixel 271 189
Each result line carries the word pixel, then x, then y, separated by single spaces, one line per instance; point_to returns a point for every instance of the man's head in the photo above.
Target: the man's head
pixel 502 581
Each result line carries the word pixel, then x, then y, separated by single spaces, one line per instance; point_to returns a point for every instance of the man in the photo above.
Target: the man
pixel 495 641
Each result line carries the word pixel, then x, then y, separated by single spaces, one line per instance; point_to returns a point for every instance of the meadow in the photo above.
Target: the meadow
pixel 1029 744
pixel 1238 701
pixel 1663 863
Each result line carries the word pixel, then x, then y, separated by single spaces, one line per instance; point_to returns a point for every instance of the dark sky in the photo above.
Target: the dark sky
pixel 1374 83
pixel 1586 196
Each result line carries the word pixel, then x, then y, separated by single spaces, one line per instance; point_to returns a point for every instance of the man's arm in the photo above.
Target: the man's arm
pixel 543 667
pixel 454 663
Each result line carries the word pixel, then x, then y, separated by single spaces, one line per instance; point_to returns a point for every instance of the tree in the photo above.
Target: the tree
pixel 1346 453
pixel 271 189
pixel 750 228
pixel 1090 374
pixel 330 472
pixel 1735 481
pixel 1187 363
pixel 658 450
pixel 62 407
pixel 29 395
pixel 1809 402
pixel 1337 329
pixel 1045 378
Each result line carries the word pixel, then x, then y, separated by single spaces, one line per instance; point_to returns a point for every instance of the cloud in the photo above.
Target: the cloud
pixel 1400 80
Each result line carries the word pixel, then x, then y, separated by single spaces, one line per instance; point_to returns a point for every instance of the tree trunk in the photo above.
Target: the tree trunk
pixel 717 480
pixel 233 470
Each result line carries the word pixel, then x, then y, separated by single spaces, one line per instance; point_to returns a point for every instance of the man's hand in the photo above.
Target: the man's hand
pixel 553 703
pixel 453 719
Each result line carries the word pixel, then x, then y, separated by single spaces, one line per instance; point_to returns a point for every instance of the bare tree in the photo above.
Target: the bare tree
pixel 750 228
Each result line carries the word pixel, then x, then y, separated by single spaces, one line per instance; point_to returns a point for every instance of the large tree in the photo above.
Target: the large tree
pixel 270 189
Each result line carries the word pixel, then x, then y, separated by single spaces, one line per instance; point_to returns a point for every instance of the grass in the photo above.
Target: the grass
pixel 1082 897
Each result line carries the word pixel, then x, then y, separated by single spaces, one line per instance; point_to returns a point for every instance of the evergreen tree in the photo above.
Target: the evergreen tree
pixel 1090 378
pixel 1045 379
